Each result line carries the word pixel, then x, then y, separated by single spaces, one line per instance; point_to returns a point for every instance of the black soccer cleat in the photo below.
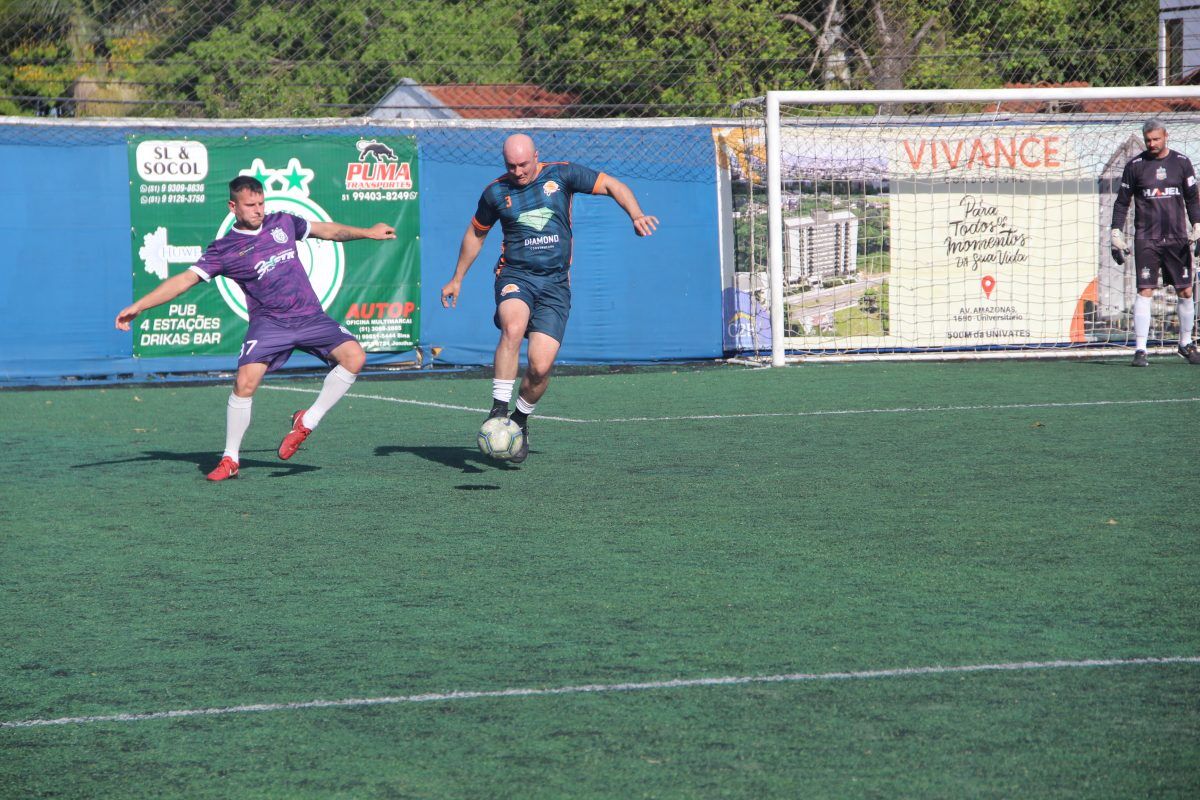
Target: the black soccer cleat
pixel 498 410
pixel 1189 353
pixel 1140 359
pixel 523 453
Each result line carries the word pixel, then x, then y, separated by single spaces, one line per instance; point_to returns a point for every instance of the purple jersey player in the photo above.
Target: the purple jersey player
pixel 259 255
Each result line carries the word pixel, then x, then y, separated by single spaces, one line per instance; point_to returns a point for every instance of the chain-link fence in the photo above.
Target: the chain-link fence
pixel 540 58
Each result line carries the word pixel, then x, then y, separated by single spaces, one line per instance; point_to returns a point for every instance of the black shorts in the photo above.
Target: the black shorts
pixel 1173 259
pixel 548 298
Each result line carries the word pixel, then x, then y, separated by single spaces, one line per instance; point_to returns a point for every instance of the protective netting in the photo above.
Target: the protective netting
pixel 544 58
pixel 672 150
pixel 985 230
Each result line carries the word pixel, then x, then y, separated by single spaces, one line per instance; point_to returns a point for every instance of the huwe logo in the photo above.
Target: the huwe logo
pixel 157 254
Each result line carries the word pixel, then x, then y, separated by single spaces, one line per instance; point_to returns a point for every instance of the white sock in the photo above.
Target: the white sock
pixel 237 420
pixel 337 383
pixel 524 407
pixel 1141 320
pixel 1186 308
pixel 502 390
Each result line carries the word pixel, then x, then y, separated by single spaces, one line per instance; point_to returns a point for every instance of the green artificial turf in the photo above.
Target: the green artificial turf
pixel 820 519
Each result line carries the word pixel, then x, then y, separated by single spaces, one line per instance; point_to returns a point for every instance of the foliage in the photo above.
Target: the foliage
pixel 671 57
pixel 624 58
pixel 1045 41
pixel 750 240
pixel 270 64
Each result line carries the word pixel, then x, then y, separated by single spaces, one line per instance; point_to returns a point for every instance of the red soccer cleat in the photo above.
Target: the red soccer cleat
pixel 296 436
pixel 228 468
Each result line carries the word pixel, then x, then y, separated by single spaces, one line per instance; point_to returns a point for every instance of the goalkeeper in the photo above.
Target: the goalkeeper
pixel 1162 184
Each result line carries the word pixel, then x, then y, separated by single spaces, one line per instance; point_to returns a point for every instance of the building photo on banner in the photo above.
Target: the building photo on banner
pixel 944 236
pixel 179 203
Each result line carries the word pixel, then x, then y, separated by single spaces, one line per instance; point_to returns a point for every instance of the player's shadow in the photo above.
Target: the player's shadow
pixel 467 459
pixel 205 461
pixel 1110 361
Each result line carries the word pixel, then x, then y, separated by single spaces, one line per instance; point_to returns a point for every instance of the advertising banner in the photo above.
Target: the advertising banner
pixel 179 203
pixel 994 235
pixel 935 234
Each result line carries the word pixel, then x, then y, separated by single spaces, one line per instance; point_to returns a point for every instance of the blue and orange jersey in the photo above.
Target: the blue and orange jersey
pixel 536 219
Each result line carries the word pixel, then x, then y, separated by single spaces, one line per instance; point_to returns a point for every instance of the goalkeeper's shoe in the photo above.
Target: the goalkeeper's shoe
pixel 523 453
pixel 228 468
pixel 1140 359
pixel 1189 353
pixel 295 437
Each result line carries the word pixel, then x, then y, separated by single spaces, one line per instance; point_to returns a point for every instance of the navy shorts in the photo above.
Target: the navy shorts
pixel 1172 259
pixel 271 342
pixel 548 298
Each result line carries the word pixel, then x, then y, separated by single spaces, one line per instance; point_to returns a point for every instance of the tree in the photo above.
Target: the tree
pixel 673 57
pixel 74 52
pixel 1100 42
pixel 884 36
pixel 322 59
pixel 617 57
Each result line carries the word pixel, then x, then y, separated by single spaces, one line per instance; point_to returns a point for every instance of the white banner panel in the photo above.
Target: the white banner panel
pixel 993 236
pixel 985 267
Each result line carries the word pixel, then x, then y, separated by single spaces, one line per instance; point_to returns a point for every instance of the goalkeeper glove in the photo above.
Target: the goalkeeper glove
pixel 1119 247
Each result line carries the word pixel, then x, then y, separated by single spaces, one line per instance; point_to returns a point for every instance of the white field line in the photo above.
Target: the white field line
pixel 424 403
pixel 601 688
pixel 752 415
pixel 907 410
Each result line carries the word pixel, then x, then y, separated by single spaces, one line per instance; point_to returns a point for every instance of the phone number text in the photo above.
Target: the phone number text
pixel 383 195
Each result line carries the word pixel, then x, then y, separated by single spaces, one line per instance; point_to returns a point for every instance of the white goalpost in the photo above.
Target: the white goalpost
pixel 934 224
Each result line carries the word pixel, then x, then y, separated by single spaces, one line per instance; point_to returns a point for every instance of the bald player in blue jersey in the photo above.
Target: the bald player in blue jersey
pixel 259 254
pixel 532 203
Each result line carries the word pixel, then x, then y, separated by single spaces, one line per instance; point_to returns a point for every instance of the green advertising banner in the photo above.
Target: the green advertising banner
pixel 179 196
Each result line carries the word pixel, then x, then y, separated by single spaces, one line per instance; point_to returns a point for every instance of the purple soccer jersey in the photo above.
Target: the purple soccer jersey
pixel 285 314
pixel 266 265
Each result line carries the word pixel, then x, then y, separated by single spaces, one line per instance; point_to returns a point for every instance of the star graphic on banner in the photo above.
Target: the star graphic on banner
pixel 294 179
pixel 297 176
pixel 258 170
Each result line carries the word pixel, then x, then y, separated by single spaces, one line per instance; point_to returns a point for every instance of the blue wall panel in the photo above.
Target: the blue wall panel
pixel 633 299
pixel 64 210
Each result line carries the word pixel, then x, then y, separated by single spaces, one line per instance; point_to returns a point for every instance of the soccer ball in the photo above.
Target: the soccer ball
pixel 500 438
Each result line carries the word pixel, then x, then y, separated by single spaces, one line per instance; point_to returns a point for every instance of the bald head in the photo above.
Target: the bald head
pixel 520 159
pixel 518 147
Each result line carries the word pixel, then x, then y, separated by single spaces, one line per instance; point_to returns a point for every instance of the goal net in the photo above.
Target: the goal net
pixel 943 224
